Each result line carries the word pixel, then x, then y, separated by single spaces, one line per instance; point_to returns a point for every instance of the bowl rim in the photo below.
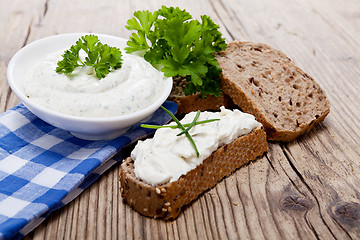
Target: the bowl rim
pixel 27 102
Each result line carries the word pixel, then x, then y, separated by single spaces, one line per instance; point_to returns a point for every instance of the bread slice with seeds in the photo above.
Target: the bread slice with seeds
pixel 264 82
pixel 194 102
pixel 190 103
pixel 166 201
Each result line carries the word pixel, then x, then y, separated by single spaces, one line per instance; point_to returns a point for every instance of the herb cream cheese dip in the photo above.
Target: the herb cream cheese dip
pixel 134 86
pixel 166 156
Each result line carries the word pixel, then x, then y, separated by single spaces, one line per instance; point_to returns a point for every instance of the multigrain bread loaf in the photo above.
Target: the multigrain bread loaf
pixel 190 103
pixel 166 201
pixel 264 82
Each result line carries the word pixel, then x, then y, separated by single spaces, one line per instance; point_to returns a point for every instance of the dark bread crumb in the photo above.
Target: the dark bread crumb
pixel 286 100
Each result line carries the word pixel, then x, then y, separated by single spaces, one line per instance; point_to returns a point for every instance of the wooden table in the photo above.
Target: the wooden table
pixel 307 189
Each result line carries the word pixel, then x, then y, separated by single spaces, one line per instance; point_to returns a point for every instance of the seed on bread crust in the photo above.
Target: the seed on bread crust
pixel 168 204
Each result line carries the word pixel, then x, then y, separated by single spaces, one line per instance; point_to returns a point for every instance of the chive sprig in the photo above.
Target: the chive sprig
pixel 182 126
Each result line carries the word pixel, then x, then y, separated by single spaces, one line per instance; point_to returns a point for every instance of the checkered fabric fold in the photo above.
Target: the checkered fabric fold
pixel 42 167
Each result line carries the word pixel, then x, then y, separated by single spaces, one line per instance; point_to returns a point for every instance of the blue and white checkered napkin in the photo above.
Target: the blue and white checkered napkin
pixel 42 167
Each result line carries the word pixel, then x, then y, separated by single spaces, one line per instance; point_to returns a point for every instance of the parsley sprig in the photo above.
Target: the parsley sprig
pixel 101 57
pixel 180 46
pixel 182 126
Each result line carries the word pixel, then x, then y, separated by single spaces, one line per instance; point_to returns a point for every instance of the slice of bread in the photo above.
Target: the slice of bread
pixel 264 82
pixel 166 201
pixel 190 103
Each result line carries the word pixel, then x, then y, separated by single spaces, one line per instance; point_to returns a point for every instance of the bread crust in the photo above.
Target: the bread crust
pixel 166 201
pixel 195 102
pixel 264 82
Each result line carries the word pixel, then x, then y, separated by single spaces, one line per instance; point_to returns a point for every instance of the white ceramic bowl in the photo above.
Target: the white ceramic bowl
pixel 82 127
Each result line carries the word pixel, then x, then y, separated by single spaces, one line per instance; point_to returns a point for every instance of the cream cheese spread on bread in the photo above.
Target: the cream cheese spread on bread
pixel 166 157
pixel 135 86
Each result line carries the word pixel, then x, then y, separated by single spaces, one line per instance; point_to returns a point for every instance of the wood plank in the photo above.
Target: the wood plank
pixel 16 24
pixel 307 189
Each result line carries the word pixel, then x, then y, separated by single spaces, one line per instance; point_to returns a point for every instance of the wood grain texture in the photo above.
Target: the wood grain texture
pixel 307 189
